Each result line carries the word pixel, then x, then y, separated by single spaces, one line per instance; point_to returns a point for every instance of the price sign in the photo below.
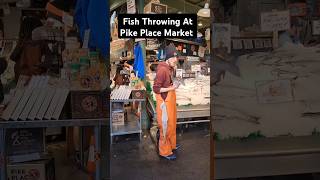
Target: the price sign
pixel 179 73
pixel 196 68
pixel 158 8
pixel 131 6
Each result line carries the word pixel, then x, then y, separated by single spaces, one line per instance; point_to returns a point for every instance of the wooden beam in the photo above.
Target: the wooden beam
pixel 114 4
pixel 182 5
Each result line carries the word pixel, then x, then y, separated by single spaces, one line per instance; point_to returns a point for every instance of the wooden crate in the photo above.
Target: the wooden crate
pixel 89 104
pixel 138 94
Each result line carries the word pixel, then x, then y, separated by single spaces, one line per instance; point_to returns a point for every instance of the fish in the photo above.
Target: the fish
pixel 220 67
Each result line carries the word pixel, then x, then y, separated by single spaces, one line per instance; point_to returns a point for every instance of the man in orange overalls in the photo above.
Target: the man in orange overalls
pixel 166 104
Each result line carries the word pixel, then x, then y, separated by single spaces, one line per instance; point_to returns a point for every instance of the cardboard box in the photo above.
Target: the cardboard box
pixel 89 104
pixel 118 118
pixel 155 8
pixel 35 170
pixel 25 144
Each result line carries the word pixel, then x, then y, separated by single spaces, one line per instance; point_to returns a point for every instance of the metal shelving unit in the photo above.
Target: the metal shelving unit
pixel 96 123
pixel 131 126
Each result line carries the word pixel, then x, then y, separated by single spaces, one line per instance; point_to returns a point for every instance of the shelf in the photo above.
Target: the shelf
pixel 53 123
pixel 184 41
pixel 193 111
pixel 128 100
pixel 131 126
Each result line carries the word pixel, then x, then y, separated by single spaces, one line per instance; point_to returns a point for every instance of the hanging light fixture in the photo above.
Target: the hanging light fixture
pixel 204 12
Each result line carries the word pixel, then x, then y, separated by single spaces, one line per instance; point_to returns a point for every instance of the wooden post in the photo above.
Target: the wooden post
pixel 275 39
pixel 214 5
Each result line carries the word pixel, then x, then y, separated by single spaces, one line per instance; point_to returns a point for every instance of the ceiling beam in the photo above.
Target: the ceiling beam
pixel 114 4
pixel 177 4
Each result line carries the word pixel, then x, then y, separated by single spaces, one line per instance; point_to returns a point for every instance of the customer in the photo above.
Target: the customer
pixel 166 104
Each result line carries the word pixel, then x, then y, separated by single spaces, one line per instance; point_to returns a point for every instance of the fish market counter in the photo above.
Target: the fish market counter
pixel 193 100
pixel 193 114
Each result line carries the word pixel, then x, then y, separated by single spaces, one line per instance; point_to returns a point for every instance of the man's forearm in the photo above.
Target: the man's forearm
pixel 163 90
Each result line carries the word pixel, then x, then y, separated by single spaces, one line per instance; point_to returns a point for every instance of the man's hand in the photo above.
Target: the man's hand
pixel 176 85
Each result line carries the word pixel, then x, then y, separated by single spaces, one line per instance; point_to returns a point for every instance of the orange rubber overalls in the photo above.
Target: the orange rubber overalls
pixel 167 122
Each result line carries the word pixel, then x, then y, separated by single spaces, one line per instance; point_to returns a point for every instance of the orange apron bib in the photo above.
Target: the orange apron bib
pixel 167 112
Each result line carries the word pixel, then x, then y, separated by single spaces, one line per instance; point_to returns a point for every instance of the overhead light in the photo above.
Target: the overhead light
pixel 200 24
pixel 204 12
pixel 179 12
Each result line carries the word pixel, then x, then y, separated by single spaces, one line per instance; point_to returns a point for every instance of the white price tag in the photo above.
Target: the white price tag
pixel 179 73
pixel 184 50
pixel 194 53
pixel 208 70
pixel 131 7
pixel 86 39
pixel 67 19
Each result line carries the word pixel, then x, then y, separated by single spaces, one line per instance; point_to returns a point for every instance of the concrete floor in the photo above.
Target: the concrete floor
pixel 138 160
pixel 287 177
pixel 64 167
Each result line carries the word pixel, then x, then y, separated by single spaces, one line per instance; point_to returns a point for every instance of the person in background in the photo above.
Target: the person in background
pixel 164 89
pixel 28 54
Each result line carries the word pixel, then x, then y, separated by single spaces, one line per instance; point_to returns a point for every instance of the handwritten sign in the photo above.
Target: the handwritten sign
pixel 275 21
pixel 155 8
pixel 158 8
pixel 221 35
pixel 179 73
pixel 131 6
pixel 316 27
